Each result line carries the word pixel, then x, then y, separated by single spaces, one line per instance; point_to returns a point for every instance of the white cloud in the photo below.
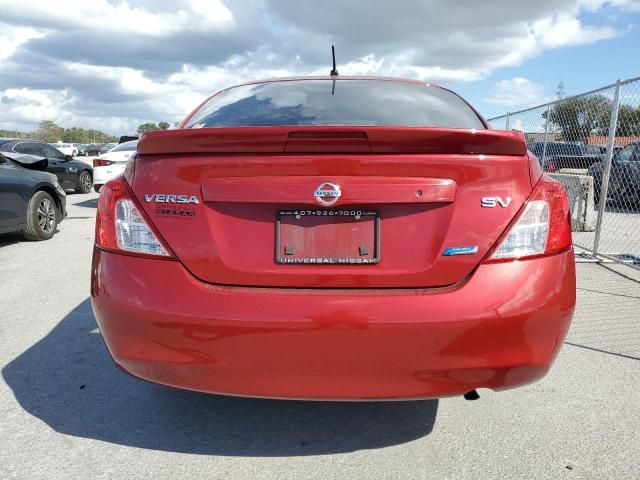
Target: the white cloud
pixel 131 81
pixel 594 5
pixel 564 30
pixel 12 37
pixel 25 104
pixel 517 92
pixel 21 106
pixel 400 65
pixel 117 63
pixel 121 17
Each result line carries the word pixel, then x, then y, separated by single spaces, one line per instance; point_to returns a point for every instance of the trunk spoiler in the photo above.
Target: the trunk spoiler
pixel 282 140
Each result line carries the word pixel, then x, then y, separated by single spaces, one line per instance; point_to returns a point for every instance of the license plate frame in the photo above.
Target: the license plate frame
pixel 354 213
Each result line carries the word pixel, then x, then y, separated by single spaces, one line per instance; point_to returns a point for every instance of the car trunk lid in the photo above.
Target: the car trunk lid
pixel 332 207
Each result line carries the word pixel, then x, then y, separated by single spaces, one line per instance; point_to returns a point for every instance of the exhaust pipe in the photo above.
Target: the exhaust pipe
pixel 472 395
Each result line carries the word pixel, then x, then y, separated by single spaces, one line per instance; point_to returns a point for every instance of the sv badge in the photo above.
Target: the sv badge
pixel 492 202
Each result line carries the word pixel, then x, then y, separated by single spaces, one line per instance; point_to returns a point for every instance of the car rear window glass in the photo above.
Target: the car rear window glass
pixel 566 149
pixel 51 152
pixel 348 102
pixel 126 147
pixel 631 153
pixel 30 148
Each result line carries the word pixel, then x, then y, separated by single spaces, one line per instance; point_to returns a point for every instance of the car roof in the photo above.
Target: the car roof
pixel 15 141
pixel 341 78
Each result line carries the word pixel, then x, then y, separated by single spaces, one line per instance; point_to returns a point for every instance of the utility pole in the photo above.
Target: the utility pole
pixel 560 92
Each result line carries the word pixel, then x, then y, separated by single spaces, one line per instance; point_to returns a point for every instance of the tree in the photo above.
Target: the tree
pixel 628 121
pixel 578 118
pixel 163 125
pixel 74 135
pixel 48 131
pixel 147 127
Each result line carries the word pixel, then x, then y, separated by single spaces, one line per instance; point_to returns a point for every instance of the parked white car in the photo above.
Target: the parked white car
pixel 66 148
pixel 111 164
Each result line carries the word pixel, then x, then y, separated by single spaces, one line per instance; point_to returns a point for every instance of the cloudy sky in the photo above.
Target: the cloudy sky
pixel 113 64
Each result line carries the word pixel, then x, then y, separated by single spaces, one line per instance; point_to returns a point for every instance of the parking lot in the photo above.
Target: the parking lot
pixel 67 412
pixel 619 233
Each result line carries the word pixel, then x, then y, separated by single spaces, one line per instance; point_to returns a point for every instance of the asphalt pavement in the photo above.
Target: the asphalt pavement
pixel 66 412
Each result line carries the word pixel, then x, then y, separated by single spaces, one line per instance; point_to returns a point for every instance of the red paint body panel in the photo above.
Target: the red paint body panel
pixel 247 140
pixel 500 328
pixel 232 243
pixel 296 189
pixel 327 141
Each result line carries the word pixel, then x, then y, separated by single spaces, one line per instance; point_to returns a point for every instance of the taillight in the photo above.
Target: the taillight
pixel 543 226
pixel 551 166
pixel 121 225
pixel 130 168
pixel 101 162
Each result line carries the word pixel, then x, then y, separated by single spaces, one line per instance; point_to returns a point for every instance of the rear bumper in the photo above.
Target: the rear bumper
pixel 102 175
pixel 501 329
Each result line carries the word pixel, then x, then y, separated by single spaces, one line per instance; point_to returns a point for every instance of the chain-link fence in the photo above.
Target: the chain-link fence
pixel 591 143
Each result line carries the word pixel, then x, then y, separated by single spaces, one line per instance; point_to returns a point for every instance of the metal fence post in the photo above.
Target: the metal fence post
pixel 508 121
pixel 613 123
pixel 546 132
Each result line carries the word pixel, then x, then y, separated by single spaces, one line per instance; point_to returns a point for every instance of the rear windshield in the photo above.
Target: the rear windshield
pixel 126 147
pixel 565 149
pixel 349 102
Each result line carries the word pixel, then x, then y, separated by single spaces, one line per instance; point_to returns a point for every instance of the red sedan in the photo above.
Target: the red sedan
pixel 334 238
